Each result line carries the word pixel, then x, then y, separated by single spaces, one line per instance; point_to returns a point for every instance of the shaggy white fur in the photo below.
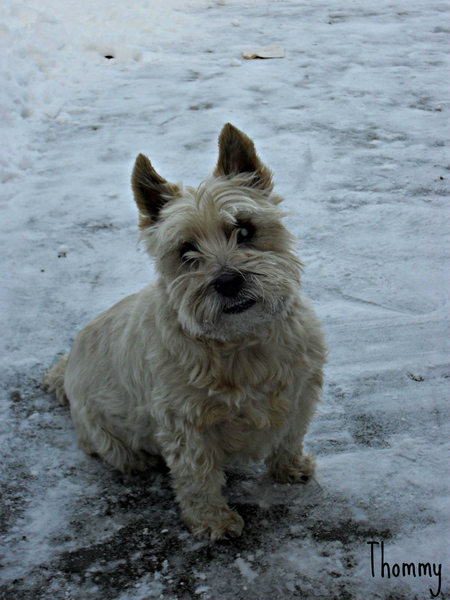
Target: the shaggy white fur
pixel 219 358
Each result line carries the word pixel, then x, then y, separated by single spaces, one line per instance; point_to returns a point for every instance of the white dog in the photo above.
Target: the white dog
pixel 219 358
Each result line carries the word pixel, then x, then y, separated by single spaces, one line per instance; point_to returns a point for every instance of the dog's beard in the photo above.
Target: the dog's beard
pixel 265 293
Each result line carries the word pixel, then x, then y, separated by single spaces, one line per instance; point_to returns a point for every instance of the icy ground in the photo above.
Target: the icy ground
pixel 354 122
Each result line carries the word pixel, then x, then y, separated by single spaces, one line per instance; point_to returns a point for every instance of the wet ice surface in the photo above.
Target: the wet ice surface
pixel 354 123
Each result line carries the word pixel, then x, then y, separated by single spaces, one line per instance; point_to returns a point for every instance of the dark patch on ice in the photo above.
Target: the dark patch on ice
pixel 14 494
pixel 440 29
pixel 338 18
pixel 369 430
pixel 347 531
pixel 202 106
pixel 192 75
pixel 416 377
pixel 96 226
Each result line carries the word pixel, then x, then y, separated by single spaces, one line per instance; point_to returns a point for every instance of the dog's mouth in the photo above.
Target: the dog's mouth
pixel 239 308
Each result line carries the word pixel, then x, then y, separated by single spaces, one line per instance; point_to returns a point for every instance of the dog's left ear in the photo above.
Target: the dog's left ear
pixel 237 155
pixel 151 191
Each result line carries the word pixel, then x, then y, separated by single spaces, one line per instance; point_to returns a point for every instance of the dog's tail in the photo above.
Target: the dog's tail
pixel 54 380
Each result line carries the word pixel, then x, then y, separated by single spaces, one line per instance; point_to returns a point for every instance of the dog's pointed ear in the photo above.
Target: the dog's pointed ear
pixel 237 155
pixel 151 191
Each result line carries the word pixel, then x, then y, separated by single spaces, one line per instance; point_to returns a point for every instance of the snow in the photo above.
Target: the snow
pixel 354 123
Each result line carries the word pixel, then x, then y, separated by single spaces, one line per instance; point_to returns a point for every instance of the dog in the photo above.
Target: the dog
pixel 220 358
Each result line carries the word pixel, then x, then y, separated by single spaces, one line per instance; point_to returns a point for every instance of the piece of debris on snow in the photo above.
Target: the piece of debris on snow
pixel 263 52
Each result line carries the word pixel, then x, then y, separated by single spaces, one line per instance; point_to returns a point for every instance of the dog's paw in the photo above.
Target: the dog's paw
pixel 293 469
pixel 226 524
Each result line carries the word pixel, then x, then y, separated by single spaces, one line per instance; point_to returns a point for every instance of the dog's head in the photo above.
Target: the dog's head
pixel 222 251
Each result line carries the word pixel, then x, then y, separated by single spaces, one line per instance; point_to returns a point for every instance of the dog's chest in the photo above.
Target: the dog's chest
pixel 244 411
pixel 244 423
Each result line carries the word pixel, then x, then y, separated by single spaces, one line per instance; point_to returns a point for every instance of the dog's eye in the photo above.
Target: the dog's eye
pixel 245 232
pixel 184 251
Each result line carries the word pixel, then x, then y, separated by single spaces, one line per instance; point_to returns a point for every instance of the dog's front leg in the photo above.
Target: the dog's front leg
pixel 196 465
pixel 287 462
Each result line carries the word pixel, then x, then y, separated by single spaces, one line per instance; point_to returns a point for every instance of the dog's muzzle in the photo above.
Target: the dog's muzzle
pixel 229 286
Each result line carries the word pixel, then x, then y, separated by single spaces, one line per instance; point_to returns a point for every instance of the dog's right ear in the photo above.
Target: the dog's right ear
pixel 151 191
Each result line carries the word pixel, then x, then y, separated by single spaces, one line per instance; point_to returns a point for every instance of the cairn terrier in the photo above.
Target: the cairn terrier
pixel 220 358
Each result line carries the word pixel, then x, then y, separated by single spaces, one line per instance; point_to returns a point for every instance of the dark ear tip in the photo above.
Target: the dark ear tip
pixel 230 132
pixel 141 163
pixel 143 172
pixel 228 127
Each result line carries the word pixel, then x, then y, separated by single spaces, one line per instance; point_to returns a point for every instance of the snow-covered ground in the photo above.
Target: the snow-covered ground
pixel 354 122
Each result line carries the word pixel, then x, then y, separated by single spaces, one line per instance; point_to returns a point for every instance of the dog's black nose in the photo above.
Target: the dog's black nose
pixel 229 285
